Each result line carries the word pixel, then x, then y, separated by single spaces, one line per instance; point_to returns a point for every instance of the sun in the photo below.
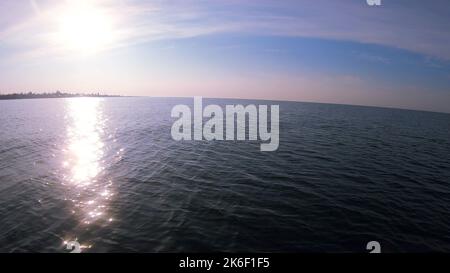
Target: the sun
pixel 85 28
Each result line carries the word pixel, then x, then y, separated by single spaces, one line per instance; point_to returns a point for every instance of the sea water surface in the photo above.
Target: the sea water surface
pixel 106 172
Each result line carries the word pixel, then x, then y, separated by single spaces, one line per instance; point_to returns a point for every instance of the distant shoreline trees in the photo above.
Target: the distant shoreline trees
pixel 45 95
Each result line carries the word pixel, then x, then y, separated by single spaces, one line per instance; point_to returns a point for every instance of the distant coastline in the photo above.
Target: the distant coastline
pixel 57 94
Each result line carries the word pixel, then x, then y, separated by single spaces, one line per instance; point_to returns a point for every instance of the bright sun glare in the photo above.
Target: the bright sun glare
pixel 85 28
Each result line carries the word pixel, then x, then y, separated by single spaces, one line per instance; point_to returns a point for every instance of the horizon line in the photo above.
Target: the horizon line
pixel 100 94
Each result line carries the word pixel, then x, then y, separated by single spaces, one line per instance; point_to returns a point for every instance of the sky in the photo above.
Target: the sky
pixel 332 51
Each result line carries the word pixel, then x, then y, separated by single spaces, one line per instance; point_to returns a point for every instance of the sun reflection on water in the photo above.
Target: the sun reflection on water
pixel 85 146
pixel 88 189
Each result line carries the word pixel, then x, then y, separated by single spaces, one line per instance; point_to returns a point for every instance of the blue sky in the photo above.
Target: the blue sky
pixel 395 55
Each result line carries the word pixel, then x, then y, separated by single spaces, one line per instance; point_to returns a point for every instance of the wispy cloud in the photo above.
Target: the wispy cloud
pixel 372 58
pixel 400 24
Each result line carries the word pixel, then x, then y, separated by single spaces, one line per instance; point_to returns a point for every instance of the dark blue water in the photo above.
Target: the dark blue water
pixel 106 172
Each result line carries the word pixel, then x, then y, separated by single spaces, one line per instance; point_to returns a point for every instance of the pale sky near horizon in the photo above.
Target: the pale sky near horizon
pixel 334 51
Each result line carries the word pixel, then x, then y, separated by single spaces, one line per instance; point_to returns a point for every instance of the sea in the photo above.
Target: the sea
pixel 106 173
